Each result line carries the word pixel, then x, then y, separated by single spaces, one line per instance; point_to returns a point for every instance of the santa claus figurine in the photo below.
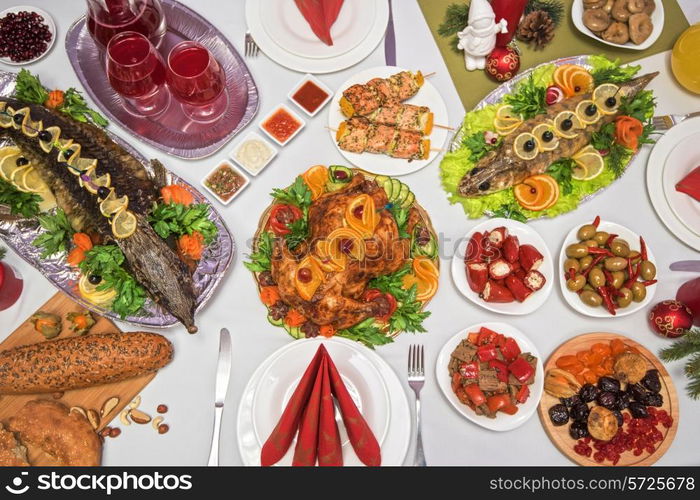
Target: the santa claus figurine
pixel 478 39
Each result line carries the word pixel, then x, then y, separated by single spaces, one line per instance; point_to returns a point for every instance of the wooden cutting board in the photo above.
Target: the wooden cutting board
pixel 89 397
pixel 560 435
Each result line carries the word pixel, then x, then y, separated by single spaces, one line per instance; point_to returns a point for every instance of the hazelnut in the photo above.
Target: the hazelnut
pixel 163 428
pixel 162 409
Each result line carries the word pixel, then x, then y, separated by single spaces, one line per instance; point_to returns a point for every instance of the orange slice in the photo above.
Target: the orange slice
pixel 537 193
pixel 581 82
pixel 316 178
pixel 308 277
pixel 573 79
pixel 361 215
pixel 424 276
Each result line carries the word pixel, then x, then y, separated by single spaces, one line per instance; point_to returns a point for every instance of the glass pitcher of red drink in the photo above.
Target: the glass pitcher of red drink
pixel 11 285
pixel 106 18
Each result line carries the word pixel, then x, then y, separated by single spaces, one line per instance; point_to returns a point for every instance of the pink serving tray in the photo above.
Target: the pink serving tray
pixel 171 131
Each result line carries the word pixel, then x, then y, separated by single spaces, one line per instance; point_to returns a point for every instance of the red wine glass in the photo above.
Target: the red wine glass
pixel 106 18
pixel 198 81
pixel 11 285
pixel 136 71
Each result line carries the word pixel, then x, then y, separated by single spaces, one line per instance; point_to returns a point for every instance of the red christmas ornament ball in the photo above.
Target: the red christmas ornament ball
pixel 670 318
pixel 503 63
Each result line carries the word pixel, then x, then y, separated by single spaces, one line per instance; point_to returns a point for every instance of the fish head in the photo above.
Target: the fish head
pixel 486 178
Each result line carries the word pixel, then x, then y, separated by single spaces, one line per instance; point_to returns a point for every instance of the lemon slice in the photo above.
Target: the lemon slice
pixel 505 129
pixel 8 165
pixel 566 125
pixel 92 294
pixel 9 150
pixel 124 224
pixel 526 146
pixel 546 138
pixel 55 132
pixel 589 164
pixel 31 181
pixel 82 165
pixel 506 115
pixel 63 146
pixel 5 118
pixel 111 205
pixel 103 180
pixel 31 128
pixel 587 111
pixel 602 93
pixel 24 112
pixel 48 201
pixel 17 174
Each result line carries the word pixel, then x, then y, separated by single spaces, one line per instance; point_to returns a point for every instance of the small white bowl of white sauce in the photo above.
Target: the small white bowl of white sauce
pixel 253 153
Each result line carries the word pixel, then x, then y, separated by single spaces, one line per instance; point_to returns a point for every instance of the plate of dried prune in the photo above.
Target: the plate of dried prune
pixel 608 401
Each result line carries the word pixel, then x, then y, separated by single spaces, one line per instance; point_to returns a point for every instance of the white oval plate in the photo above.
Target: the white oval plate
pixel 683 158
pixel 601 312
pixel 49 23
pixel 297 62
pixel 655 180
pixel 382 164
pixel 525 235
pixel 286 26
pixel 502 422
pixel 657 19
pixel 369 379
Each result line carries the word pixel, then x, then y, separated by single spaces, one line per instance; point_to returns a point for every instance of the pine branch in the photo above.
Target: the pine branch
pixel 554 8
pixel 692 367
pixel 688 345
pixel 3 251
pixel 693 388
pixel 456 18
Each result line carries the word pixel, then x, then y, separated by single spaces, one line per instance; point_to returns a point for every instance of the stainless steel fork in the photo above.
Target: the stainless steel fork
pixel 416 379
pixel 665 122
pixel 251 48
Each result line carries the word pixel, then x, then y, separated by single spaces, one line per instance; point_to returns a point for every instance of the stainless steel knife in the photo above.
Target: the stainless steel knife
pixel 686 265
pixel 223 373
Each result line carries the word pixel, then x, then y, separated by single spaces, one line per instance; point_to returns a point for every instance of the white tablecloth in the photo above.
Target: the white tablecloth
pixel 187 384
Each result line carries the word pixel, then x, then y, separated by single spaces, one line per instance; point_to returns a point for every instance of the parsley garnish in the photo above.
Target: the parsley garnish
pixel 618 155
pixel 509 211
pixel 614 73
pixel 561 170
pixel 298 232
pixel 25 204
pixel 366 332
pixel 477 145
pixel 261 259
pixel 408 316
pixel 58 233
pixel 178 219
pixel 528 100
pixel 297 194
pixel 401 217
pixel 107 261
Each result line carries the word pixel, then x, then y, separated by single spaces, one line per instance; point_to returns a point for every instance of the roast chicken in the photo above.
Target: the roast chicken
pixel 338 300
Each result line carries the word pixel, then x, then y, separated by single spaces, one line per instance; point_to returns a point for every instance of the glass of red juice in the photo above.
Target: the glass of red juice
pixel 106 18
pixel 136 71
pixel 11 285
pixel 198 81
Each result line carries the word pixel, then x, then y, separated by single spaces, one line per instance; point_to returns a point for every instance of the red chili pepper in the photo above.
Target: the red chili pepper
pixel 497 236
pixel 608 277
pixel 475 248
pixel 521 370
pixel 330 451
pixel 530 257
pixel 596 221
pixel 571 274
pixel 594 263
pixel 600 251
pixel 607 300
pixel 523 394
pixel 307 439
pixel 629 268
pixel 517 288
pixel 361 437
pixel 469 370
pixel 649 282
pixel 534 280
pixel 486 352
pixel 635 274
pixel 500 268
pixel 511 248
pixel 281 437
pixel 493 292
pixel 476 395
pixel 510 349
pixel 643 248
pixel 501 369
pixel 610 239
pixel 477 276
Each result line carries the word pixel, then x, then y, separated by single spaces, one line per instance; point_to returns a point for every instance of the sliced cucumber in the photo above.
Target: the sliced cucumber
pixel 275 322
pixel 388 188
pixel 395 190
pixel 344 172
pixel 409 200
pixel 294 331
pixel 380 179
pixel 403 194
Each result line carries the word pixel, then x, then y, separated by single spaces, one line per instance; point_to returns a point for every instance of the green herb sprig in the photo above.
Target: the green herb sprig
pixel 528 100
pixel 366 332
pixel 261 259
pixel 20 203
pixel 298 194
pixel 57 236
pixel 408 316
pixel 401 217
pixel 509 211
pixel 562 170
pixel 614 73
pixel 478 147
pixel 178 219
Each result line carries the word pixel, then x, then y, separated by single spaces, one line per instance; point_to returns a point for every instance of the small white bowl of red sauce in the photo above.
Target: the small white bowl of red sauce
pixel 225 182
pixel 310 95
pixel 282 124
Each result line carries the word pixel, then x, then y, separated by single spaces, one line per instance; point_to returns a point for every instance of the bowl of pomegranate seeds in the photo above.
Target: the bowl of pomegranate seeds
pixel 26 34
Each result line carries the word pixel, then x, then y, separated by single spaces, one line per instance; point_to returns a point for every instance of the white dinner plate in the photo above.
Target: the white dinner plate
pixel 382 164
pixel 306 60
pixel 657 20
pixel 48 20
pixel 526 235
pixel 373 385
pixel 503 421
pixel 601 312
pixel 656 168
pixel 286 26
pixel 684 157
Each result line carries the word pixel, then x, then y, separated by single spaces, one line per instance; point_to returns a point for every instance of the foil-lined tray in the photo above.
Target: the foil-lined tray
pixel 171 131
pixel 19 233
pixel 497 95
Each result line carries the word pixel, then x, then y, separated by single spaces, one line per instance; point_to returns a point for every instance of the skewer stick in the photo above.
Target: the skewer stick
pixel 443 127
pixel 429 74
pixel 437 150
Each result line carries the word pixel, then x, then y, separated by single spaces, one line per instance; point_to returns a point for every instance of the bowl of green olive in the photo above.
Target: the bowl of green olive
pixel 606 270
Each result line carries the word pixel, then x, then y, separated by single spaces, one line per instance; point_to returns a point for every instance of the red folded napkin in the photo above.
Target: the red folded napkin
pixel 690 184
pixel 321 15
pixel 311 412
